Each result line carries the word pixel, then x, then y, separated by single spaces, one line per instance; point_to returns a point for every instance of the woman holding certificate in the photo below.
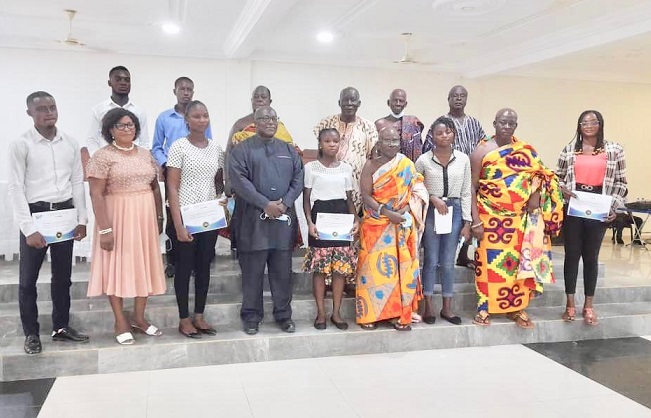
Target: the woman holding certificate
pixel 447 178
pixel 328 191
pixel 126 198
pixel 592 175
pixel 195 181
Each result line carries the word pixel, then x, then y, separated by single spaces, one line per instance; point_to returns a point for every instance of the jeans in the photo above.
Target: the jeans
pixel 440 251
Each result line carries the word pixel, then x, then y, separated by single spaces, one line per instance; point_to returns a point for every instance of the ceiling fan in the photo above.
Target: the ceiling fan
pixel 407 57
pixel 70 40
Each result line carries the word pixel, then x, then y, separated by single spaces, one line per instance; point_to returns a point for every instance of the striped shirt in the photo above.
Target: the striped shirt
pixel 469 133
pixel 452 180
pixel 614 183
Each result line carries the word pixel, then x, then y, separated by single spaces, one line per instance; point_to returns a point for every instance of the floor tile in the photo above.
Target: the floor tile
pixel 24 393
pixel 601 407
pixel 203 402
pixel 307 401
pixel 122 408
pixel 621 364
pixel 20 412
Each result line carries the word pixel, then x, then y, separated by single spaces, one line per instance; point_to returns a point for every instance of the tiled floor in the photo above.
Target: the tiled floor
pixel 23 399
pixel 464 382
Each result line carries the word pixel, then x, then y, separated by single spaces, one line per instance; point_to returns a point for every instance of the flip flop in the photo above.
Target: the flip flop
pixel 151 330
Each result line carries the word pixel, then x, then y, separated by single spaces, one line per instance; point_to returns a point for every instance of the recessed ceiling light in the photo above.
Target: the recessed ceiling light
pixel 171 28
pixel 468 8
pixel 325 36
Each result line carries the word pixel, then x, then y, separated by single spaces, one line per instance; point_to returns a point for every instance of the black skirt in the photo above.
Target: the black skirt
pixel 328 206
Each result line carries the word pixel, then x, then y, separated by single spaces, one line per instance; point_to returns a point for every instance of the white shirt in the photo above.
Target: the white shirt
pixel 95 139
pixel 455 176
pixel 328 183
pixel 45 171
pixel 198 169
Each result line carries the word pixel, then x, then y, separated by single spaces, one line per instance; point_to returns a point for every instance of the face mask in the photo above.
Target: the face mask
pixel 399 115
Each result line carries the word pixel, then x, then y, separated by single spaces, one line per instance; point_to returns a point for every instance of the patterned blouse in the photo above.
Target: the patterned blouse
pixel 614 184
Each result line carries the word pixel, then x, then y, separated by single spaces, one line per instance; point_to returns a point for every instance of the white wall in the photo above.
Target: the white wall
pixel 303 94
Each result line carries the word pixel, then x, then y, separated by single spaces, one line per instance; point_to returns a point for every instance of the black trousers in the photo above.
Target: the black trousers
pixel 31 260
pixel 196 255
pixel 582 240
pixel 170 230
pixel 252 264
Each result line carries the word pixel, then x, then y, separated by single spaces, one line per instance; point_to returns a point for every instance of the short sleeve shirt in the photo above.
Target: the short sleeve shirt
pixel 198 167
pixel 328 183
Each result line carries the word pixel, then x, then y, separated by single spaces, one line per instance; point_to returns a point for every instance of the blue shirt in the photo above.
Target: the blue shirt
pixel 170 126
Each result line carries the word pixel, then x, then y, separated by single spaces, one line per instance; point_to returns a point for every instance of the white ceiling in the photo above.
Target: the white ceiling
pixel 591 39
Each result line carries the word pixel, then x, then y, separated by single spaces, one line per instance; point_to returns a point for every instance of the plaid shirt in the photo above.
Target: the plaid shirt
pixel 615 179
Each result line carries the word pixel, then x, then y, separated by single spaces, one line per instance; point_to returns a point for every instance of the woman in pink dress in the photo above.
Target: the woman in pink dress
pixel 126 258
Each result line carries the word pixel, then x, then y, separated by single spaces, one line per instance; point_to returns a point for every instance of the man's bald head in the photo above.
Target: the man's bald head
pixel 388 133
pixel 506 111
pixel 506 120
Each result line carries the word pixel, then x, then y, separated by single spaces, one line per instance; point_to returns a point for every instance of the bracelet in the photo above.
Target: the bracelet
pixel 477 225
pixel 105 231
pixel 379 209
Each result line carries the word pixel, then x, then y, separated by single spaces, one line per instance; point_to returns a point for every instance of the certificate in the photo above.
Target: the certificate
pixel 443 223
pixel 335 226
pixel 56 225
pixel 589 205
pixel 203 216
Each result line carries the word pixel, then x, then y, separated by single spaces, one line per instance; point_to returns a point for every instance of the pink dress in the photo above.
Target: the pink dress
pixel 135 266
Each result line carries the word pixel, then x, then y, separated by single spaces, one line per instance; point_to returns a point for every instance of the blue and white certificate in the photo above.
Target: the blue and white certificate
pixel 335 226
pixel 589 205
pixel 204 216
pixel 56 225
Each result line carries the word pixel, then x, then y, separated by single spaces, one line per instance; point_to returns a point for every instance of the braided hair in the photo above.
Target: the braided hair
pixel 322 132
pixel 578 146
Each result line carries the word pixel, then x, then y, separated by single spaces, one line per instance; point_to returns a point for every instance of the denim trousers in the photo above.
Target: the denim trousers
pixel 440 250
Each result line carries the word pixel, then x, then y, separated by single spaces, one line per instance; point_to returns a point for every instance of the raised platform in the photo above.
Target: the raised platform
pixel 623 311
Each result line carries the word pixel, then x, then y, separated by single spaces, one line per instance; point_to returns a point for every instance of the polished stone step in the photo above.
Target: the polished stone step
pixel 225 279
pixel 103 355
pixel 94 316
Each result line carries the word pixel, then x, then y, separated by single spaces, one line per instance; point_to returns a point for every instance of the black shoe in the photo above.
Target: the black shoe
pixel 343 325
pixel 250 328
pixel 429 319
pixel 69 335
pixel 320 325
pixel 620 241
pixel 33 344
pixel 637 242
pixel 169 271
pixel 451 319
pixel 287 325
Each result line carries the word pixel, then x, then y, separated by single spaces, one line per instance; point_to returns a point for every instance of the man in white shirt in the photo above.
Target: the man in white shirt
pixel 45 175
pixel 120 83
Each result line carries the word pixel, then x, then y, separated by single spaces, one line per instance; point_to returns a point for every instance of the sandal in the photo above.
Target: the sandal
pixel 151 330
pixel 482 319
pixel 369 327
pixel 589 316
pixel 415 318
pixel 126 338
pixel 401 327
pixel 521 319
pixel 570 314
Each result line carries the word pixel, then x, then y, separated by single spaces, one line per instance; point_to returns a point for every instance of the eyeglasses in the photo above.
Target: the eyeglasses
pixel 267 119
pixel 589 123
pixel 124 126
pixel 391 141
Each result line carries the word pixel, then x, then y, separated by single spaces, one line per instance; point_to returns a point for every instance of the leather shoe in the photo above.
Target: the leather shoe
pixel 287 326
pixel 250 328
pixel 33 344
pixel 429 320
pixel 70 335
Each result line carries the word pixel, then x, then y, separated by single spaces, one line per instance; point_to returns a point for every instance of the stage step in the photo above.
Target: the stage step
pixel 225 279
pixel 94 316
pixel 103 355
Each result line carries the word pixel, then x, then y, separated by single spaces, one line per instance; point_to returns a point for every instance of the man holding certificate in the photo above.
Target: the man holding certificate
pixel 592 175
pixel 267 177
pixel 47 193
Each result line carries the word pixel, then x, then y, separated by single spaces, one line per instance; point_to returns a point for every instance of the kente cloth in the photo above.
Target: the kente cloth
pixel 410 129
pixel 388 276
pixel 249 131
pixel 357 140
pixel 509 175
